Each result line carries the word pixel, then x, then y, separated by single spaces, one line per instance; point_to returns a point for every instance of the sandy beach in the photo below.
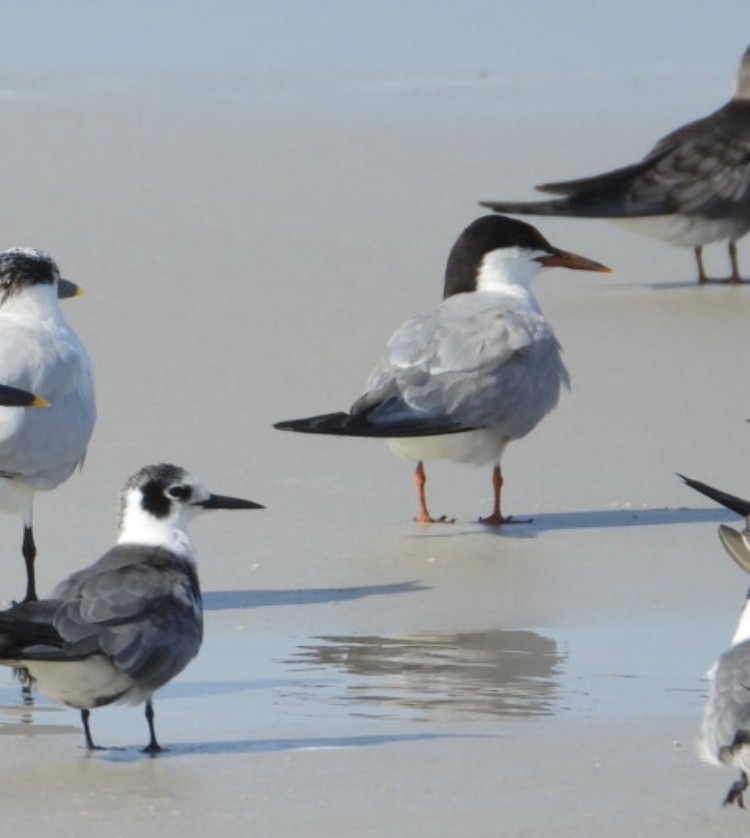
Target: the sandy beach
pixel 249 236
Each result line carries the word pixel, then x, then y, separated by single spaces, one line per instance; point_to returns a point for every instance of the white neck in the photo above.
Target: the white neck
pixel 509 270
pixel 36 301
pixel 743 626
pixel 140 527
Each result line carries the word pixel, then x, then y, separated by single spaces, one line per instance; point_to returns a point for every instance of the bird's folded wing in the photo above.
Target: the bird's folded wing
pixel 136 605
pixel 728 708
pixel 468 363
pixel 27 630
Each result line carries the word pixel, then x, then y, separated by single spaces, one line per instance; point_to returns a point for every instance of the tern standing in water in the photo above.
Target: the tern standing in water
pixel 118 630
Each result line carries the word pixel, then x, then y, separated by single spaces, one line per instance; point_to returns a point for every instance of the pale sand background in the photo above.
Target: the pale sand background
pixel 254 198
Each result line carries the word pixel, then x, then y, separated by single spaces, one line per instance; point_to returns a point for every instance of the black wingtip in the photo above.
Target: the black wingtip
pixel 736 504
pixel 326 423
pixel 14 397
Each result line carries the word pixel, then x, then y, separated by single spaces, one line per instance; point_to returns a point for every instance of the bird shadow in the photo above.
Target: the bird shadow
pixel 672 284
pixel 606 518
pixel 690 283
pixel 260 746
pixel 531 527
pixel 226 600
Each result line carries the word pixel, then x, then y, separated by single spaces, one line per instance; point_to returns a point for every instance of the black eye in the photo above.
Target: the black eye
pixel 179 492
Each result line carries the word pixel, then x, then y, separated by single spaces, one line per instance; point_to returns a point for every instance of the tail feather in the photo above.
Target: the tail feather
pixel 360 425
pixel 738 505
pixel 576 207
pixel 614 181
pixel 601 196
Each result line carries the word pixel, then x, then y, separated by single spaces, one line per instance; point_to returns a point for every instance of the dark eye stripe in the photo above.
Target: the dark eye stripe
pixel 180 492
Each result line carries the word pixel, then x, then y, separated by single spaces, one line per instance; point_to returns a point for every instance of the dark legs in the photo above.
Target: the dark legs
pixel 734 276
pixel 702 278
pixel 734 795
pixel 28 549
pixel 153 746
pixel 87 730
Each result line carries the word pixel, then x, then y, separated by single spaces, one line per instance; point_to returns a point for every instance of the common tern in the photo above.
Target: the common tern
pixel 691 189
pixel 480 370
pixel 726 717
pixel 118 630
pixel 40 353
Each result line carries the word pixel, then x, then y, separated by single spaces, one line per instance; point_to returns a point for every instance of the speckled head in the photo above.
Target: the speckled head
pixel 25 267
pixel 165 495
pixel 155 484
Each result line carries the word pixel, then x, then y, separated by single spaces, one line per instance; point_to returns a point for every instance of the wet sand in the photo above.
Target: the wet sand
pixel 247 247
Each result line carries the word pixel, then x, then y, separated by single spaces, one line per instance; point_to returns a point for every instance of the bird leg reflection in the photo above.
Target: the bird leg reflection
pixel 424 517
pixel 735 793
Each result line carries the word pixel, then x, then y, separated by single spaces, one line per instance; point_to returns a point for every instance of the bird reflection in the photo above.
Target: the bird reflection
pixel 476 675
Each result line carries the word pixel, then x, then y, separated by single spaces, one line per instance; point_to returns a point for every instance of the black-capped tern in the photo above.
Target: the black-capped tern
pixel 480 370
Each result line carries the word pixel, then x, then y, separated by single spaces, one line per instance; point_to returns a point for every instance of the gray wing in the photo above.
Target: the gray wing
pixel 44 447
pixel 727 711
pixel 703 167
pixel 139 606
pixel 469 361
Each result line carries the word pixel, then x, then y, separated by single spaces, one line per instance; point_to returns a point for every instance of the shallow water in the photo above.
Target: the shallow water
pixel 250 225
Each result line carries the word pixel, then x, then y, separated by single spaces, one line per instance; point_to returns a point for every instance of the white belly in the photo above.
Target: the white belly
pixel 84 684
pixel 683 230
pixel 474 447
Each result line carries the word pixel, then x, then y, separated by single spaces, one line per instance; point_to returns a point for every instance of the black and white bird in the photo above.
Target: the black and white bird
pixel 726 717
pixel 480 370
pixel 691 189
pixel 40 353
pixel 118 630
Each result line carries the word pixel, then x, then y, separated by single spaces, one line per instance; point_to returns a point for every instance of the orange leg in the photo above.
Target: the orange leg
pixel 496 518
pixel 424 516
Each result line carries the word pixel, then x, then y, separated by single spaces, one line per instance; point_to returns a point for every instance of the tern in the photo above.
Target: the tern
pixel 691 189
pixel 726 718
pixel 121 628
pixel 480 370
pixel 40 353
